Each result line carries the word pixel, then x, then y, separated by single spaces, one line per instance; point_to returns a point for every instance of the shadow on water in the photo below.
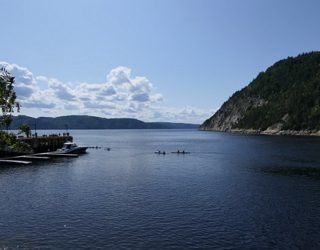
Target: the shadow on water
pixel 52 162
pixel 296 159
pixel 312 172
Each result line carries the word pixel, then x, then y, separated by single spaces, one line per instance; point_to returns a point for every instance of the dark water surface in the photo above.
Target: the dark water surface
pixel 231 192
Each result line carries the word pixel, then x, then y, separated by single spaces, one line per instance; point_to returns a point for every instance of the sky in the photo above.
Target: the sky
pixel 155 60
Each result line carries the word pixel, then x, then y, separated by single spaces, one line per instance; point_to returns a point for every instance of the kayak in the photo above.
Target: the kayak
pixel 160 153
pixel 180 152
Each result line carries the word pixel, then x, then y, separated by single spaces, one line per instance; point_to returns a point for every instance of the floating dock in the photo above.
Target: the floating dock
pixel 31 157
pixel 53 154
pixel 15 162
pixel 28 159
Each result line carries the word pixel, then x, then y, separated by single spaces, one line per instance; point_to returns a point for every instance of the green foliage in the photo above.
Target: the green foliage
pixel 21 147
pixel 25 128
pixel 6 140
pixel 290 86
pixel 7 97
pixel 8 104
pixel 9 143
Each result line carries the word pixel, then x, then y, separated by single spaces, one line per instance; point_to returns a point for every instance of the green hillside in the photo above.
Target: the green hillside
pixel 287 93
pixel 92 122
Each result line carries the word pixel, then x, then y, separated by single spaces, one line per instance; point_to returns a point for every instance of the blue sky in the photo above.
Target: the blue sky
pixel 176 60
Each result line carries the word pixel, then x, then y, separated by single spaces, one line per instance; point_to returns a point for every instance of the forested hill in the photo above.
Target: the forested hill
pixel 93 122
pixel 286 97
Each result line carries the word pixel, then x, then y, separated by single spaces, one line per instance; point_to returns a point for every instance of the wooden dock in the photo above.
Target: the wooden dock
pixel 28 159
pixel 16 162
pixel 54 154
pixel 31 157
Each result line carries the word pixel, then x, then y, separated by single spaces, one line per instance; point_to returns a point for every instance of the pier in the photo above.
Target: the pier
pixel 28 159
pixel 44 148
pixel 46 143
pixel 15 162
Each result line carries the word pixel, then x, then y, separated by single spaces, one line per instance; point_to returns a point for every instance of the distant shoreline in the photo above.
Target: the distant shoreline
pixel 63 129
pixel 93 122
pixel 314 133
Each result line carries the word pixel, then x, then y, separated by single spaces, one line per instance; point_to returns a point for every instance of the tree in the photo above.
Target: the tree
pixel 24 128
pixel 7 97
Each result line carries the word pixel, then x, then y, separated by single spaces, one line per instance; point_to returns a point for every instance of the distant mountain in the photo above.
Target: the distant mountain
pixel 285 99
pixel 93 122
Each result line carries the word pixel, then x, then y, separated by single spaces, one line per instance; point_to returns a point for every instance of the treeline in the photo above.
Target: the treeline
pixel 291 89
pixel 92 122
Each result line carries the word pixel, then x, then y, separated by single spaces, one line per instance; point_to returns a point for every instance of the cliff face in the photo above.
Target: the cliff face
pixel 227 117
pixel 285 99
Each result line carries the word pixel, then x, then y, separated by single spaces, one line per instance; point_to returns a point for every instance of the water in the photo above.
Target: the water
pixel 231 192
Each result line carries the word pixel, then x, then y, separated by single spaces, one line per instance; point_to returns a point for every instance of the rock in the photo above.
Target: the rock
pixel 283 100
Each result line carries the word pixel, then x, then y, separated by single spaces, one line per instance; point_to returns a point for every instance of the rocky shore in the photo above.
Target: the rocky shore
pixel 283 100
pixel 269 132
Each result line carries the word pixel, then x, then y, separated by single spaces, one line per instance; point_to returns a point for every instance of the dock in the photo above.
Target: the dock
pixel 53 154
pixel 16 162
pixel 28 159
pixel 44 148
pixel 46 143
pixel 32 157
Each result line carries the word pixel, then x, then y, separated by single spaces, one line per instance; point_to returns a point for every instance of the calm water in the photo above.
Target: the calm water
pixel 231 192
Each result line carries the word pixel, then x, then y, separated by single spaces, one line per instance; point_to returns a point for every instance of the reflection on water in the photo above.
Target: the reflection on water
pixel 231 192
pixel 289 170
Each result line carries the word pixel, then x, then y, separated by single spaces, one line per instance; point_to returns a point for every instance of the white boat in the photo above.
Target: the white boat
pixel 71 148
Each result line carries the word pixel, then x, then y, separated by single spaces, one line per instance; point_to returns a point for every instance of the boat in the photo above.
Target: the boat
pixel 160 153
pixel 71 148
pixel 180 152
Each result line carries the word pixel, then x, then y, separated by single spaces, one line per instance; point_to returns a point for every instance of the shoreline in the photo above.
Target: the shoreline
pixel 268 132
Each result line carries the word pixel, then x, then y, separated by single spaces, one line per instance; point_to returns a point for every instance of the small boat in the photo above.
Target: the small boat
pixel 71 148
pixel 180 152
pixel 160 153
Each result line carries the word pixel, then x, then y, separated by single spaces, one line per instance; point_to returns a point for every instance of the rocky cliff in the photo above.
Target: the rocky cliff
pixel 227 117
pixel 285 99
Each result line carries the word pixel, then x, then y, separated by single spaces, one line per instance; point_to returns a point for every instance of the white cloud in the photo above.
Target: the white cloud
pixel 156 98
pixel 119 76
pixel 22 75
pixel 122 95
pixel 25 83
pixel 108 90
pixel 38 104
pixel 98 105
pixel 61 90
pixel 23 91
pixel 140 84
pixel 70 106
pixel 140 97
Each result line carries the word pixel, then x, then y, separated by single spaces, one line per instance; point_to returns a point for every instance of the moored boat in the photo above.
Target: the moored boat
pixel 71 148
